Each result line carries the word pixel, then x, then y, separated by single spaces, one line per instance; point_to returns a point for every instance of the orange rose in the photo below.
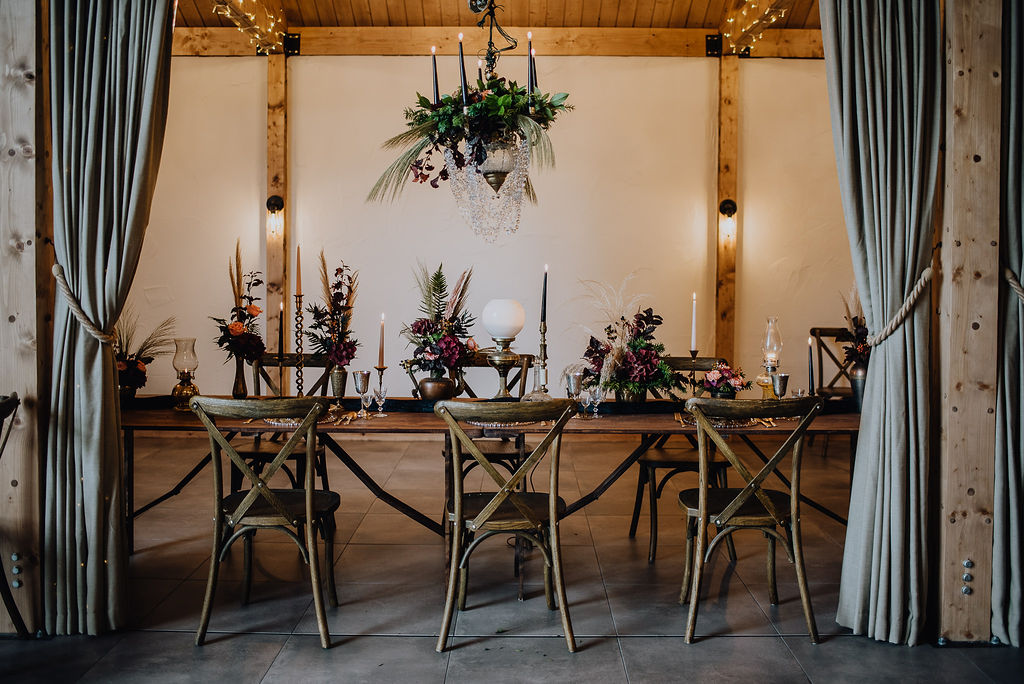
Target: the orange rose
pixel 253 310
pixel 141 366
pixel 236 328
pixel 472 345
pixel 122 366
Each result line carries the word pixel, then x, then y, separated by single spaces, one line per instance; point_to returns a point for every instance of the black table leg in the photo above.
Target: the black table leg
pixel 129 488
pixel 646 442
pixel 810 502
pixel 379 491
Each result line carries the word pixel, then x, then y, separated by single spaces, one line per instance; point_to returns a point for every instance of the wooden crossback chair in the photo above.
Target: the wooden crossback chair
pixel 823 349
pixel 9 409
pixel 752 507
pixel 530 515
pixel 676 460
pixel 294 512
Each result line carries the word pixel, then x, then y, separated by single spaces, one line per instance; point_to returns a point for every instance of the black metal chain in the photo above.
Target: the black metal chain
pixel 489 8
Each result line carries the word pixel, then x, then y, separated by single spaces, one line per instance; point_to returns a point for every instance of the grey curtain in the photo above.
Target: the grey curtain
pixel 1008 513
pixel 110 65
pixel 884 64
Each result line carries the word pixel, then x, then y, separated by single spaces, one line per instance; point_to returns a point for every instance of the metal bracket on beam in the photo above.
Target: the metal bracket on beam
pixel 713 45
pixel 291 44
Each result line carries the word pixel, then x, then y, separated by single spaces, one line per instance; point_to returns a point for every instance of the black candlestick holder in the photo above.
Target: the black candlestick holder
pixel 298 345
pixel 380 376
pixel 693 369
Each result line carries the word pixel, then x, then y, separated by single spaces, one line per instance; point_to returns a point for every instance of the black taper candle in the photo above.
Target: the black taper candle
pixel 480 70
pixel 544 298
pixel 529 64
pixel 533 70
pixel 433 60
pixel 462 75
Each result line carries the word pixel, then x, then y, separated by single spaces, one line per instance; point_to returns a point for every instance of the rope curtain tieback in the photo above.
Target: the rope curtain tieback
pixel 1014 284
pixel 908 306
pixel 76 308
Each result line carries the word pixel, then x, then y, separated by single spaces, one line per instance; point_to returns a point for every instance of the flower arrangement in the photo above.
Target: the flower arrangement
pixel 722 380
pixel 240 333
pixel 629 360
pixel 330 330
pixel 132 364
pixel 858 351
pixel 498 111
pixel 441 335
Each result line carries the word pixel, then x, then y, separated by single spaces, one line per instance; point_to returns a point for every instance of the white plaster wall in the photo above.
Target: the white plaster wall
pixel 210 191
pixel 793 258
pixel 634 189
pixel 630 192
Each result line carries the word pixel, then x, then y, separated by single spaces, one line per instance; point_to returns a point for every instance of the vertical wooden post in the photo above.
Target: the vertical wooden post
pixel 969 318
pixel 725 270
pixel 24 287
pixel 277 184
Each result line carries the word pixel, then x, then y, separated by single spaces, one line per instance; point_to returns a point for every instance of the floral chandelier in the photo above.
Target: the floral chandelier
pixel 480 139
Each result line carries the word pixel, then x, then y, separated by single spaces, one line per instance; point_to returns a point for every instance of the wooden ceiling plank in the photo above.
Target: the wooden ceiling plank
pixel 310 13
pixel 414 13
pixel 802 12
pixel 590 13
pixel 450 12
pixel 554 15
pixel 644 14
pixel 343 12
pixel 431 12
pixel 328 16
pixel 609 13
pixel 662 13
pixel 714 14
pixel 397 15
pixel 681 14
pixel 292 13
pixel 572 15
pixel 179 19
pixel 379 14
pixel 515 13
pixel 813 19
pixel 361 12
pixel 190 13
pixel 626 13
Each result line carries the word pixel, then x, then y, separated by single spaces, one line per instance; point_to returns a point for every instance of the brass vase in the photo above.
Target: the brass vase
pixel 630 397
pixel 339 379
pixel 436 389
pixel 239 389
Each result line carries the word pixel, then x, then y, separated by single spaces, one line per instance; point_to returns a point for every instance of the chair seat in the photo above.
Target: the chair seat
pixel 294 501
pixel 677 458
pixel 507 517
pixel 752 512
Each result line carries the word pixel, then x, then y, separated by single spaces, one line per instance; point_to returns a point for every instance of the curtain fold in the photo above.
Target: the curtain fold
pixel 1008 511
pixel 110 66
pixel 884 65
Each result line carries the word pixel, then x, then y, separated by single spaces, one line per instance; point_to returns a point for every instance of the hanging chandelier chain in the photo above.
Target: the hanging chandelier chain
pixel 489 11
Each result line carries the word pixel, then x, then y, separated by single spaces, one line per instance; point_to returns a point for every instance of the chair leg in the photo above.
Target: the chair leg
pixel 247 566
pixel 563 602
pixel 314 580
pixel 684 590
pixel 211 582
pixel 723 477
pixel 549 595
pixel 329 527
pixel 641 481
pixel 773 590
pixel 698 572
pixel 449 600
pixel 652 497
pixel 801 580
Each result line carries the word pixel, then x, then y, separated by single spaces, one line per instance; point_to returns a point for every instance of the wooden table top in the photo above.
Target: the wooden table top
pixel 399 422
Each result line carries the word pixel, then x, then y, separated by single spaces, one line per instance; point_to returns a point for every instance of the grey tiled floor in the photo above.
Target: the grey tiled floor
pixel 628 622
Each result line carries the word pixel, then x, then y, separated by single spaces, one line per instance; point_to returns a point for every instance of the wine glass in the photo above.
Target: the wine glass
pixel 362 382
pixel 586 398
pixel 596 397
pixel 380 395
pixel 574 385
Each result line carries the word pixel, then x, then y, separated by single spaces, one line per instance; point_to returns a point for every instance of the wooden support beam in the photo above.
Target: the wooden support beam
pixel 970 311
pixel 277 184
pixel 570 41
pixel 24 288
pixel 725 265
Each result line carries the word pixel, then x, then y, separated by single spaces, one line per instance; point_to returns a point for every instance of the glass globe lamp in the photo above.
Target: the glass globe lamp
pixel 503 319
pixel 185 362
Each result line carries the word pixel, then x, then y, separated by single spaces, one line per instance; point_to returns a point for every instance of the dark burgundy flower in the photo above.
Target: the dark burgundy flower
pixel 342 353
pixel 422 327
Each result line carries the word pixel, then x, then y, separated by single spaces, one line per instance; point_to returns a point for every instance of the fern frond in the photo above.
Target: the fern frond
pixel 438 293
pixel 394 179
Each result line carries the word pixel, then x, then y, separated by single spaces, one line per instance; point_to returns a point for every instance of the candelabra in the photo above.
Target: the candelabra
pixel 298 345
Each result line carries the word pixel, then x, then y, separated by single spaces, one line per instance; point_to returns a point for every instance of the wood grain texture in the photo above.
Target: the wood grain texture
pixel 969 322
pixel 790 43
pixel 728 155
pixel 21 140
pixel 210 42
pixel 276 276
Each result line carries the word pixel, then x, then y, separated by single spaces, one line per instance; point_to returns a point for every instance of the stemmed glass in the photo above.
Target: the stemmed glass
pixel 380 395
pixel 574 383
pixel 596 397
pixel 362 382
pixel 586 398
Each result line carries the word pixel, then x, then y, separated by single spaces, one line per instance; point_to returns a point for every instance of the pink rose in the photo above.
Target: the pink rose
pixel 472 345
pixel 712 376
pixel 737 383
pixel 429 356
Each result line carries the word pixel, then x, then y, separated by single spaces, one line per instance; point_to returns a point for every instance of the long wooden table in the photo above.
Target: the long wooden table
pixel 652 428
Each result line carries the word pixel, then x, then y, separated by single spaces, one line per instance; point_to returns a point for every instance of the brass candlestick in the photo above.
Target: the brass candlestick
pixel 542 357
pixel 380 376
pixel 503 359
pixel 298 345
